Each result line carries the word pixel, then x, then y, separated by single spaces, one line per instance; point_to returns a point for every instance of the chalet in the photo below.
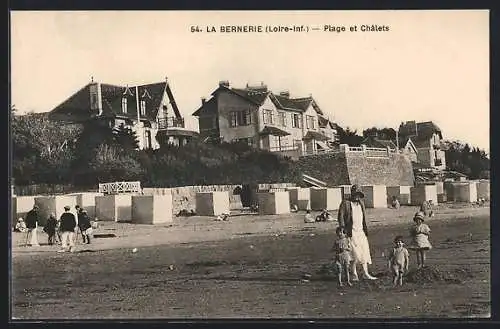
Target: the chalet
pixel 427 139
pixel 266 120
pixel 147 109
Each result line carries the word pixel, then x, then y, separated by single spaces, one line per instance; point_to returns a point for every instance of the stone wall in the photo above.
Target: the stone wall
pixel 395 170
pixel 330 168
pixel 341 168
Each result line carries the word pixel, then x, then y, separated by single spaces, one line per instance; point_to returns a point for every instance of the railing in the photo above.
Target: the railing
pixel 366 151
pixel 283 148
pixel 170 122
pixel 120 187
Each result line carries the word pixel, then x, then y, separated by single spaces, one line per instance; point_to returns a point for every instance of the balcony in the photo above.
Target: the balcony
pixel 170 122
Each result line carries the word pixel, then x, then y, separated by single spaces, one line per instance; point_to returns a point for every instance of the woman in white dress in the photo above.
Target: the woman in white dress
pixel 352 218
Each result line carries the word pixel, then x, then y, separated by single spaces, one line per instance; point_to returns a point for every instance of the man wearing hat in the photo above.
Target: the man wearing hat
pixel 32 219
pixel 352 219
pixel 67 228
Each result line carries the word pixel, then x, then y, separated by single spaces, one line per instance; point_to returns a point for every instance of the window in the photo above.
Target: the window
pixel 282 119
pixel 148 139
pixel 143 107
pixel 309 122
pixel 296 123
pixel 124 104
pixel 268 117
pixel 240 118
pixel 93 101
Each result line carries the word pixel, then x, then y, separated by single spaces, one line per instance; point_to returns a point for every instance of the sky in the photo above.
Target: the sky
pixel 423 65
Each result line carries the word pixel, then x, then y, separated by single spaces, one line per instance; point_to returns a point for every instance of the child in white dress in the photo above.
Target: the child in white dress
pixel 420 233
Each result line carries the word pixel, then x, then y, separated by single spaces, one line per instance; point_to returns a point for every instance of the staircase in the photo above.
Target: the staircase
pixel 313 181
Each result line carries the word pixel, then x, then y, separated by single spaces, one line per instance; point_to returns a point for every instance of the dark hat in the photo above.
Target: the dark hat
pixel 356 190
pixel 67 208
pixel 419 215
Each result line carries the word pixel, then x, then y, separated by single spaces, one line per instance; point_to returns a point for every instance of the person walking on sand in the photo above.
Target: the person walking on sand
pixel 85 226
pixel 352 218
pixel 420 233
pixel 32 220
pixel 67 228
pixel 50 228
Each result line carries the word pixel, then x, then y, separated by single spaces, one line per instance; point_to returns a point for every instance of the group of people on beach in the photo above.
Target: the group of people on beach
pixel 352 247
pixel 61 231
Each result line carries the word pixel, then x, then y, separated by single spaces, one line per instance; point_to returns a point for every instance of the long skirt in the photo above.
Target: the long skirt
pixel 360 248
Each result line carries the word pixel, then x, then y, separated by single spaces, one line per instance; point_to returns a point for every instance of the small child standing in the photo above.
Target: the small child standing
pixel 398 260
pixel 342 249
pixel 420 233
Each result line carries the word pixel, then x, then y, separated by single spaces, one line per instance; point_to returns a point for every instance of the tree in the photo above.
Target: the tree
pixel 349 137
pixel 126 138
pixel 468 160
pixel 381 133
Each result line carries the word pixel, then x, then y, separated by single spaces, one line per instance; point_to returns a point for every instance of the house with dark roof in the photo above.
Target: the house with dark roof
pixel 266 120
pixel 427 139
pixel 146 109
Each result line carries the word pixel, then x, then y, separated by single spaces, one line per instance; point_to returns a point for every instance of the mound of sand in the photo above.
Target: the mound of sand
pixel 429 274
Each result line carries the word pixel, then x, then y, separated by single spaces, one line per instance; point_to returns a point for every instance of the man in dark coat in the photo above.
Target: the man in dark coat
pixel 67 228
pixel 352 218
pixel 32 219
pixel 84 225
pixel 50 228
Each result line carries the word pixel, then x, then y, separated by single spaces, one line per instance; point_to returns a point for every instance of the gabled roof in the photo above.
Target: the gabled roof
pixel 78 105
pixel 209 107
pixel 257 96
pixel 375 142
pixel 323 122
pixel 407 141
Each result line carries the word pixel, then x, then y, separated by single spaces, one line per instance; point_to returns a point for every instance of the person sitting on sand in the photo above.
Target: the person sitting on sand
pixel 342 249
pixel 420 233
pixel 308 218
pixel 395 202
pixel 324 216
pixel 222 217
pixel 398 260
pixel 20 226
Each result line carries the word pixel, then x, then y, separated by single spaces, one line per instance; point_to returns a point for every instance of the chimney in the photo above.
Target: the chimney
pixel 203 100
pixel 224 83
pixel 285 94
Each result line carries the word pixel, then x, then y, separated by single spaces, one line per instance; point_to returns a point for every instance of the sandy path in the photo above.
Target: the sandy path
pixel 202 229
